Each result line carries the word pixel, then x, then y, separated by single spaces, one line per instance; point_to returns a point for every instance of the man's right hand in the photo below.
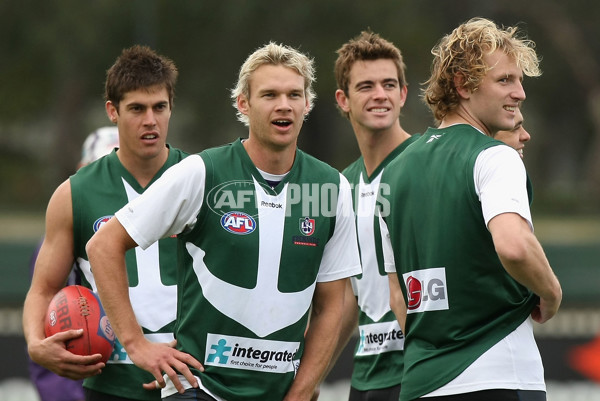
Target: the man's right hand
pixel 159 358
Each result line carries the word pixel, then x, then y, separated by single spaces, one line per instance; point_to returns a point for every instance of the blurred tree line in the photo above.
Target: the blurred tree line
pixel 53 58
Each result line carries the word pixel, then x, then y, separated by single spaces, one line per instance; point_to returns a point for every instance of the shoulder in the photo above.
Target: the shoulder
pixel 60 204
pixel 220 154
pixel 318 166
pixel 178 153
pixel 499 154
pixel 354 169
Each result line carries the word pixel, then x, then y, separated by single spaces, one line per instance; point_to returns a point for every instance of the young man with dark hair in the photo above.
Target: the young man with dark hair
pixel 139 100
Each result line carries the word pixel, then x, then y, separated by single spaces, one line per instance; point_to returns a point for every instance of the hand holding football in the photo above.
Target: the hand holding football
pixel 76 307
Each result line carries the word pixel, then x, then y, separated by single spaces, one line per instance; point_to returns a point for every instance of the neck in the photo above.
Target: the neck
pixel 272 160
pixel 375 146
pixel 462 116
pixel 143 170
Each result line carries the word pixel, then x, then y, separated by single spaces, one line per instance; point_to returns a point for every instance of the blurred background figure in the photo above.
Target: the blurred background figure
pixel 99 143
pixel 49 385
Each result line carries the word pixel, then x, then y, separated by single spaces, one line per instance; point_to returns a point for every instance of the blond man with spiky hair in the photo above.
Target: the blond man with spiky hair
pixel 472 273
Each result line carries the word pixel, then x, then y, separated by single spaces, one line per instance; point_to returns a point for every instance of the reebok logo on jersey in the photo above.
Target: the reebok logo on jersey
pixel 433 138
pixel 426 290
pixel 367 193
pixel 100 222
pixel 250 354
pixel 271 205
pixel 238 223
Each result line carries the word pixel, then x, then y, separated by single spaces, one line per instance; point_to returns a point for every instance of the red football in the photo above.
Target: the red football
pixel 76 307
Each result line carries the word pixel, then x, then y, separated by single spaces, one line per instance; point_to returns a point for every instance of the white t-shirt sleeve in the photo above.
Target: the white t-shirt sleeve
pixel 169 206
pixel 501 183
pixel 340 256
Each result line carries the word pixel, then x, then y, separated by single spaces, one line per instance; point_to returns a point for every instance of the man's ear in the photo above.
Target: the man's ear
pixel 112 112
pixel 342 100
pixel 459 84
pixel 242 104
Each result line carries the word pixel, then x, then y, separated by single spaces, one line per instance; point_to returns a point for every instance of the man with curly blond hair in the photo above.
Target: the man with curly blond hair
pixel 473 275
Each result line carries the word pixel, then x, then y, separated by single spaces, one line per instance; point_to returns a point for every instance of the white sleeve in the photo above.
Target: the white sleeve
pixel 501 183
pixel 340 256
pixel 389 263
pixel 169 206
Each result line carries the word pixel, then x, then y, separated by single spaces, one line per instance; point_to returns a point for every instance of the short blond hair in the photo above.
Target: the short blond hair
pixel 274 54
pixel 462 52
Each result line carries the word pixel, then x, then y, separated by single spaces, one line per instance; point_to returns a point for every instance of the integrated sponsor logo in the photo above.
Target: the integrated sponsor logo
pixel 377 338
pixel 426 290
pixel 251 354
pixel 100 222
pixel 238 223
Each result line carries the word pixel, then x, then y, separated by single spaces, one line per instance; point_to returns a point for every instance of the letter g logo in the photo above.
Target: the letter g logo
pixel 415 292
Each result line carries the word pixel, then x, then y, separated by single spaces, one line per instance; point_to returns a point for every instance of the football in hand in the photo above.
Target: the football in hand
pixel 76 307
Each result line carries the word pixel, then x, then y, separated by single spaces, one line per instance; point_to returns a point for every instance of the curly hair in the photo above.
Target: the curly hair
pixel 462 53
pixel 139 67
pixel 366 46
pixel 274 54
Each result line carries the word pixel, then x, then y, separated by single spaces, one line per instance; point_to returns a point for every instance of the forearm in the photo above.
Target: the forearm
pixel 34 311
pixel 320 340
pixel 523 258
pixel 106 252
pixel 348 327
pixel 534 272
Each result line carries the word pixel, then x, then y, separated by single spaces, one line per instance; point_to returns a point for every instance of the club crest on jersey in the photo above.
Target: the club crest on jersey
pixel 238 223
pixel 100 222
pixel 307 226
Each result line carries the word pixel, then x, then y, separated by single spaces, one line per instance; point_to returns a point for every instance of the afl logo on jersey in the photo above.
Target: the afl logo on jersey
pixel 238 223
pixel 100 222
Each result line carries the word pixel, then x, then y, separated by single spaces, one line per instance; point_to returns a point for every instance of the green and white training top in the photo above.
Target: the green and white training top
pixel 250 258
pixel 98 190
pixel 378 353
pixel 467 324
